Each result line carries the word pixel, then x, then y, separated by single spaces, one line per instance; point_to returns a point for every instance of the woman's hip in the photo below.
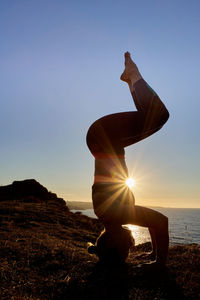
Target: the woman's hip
pixel 111 202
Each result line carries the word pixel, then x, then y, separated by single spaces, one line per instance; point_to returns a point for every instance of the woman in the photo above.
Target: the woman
pixel 113 202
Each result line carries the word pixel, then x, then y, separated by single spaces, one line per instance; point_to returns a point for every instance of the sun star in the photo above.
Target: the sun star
pixel 130 182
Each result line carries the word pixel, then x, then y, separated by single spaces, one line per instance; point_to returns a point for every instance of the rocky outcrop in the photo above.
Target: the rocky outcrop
pixel 28 190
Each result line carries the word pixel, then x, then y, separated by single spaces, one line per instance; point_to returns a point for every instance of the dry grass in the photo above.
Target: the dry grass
pixel 43 255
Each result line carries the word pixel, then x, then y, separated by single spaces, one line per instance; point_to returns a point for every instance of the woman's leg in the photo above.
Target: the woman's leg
pixel 112 133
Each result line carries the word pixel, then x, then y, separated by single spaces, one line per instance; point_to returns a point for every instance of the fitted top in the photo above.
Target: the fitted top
pixel 110 168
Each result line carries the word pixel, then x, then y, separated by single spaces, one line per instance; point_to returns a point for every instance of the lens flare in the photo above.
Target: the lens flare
pixel 130 182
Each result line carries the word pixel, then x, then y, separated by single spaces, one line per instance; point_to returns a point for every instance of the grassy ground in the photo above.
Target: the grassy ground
pixel 43 255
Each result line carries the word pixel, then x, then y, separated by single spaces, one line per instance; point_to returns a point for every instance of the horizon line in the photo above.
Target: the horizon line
pixel 140 205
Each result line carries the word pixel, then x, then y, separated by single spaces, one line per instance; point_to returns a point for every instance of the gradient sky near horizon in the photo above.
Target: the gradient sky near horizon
pixel 60 63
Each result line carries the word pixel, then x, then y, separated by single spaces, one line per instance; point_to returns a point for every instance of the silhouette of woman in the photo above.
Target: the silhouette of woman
pixel 113 201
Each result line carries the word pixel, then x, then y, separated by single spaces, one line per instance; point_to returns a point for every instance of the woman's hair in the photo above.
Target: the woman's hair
pixel 112 245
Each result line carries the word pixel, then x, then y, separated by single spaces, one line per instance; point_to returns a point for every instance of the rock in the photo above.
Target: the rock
pixel 28 190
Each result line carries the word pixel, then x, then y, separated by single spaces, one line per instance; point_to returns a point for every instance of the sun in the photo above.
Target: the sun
pixel 130 182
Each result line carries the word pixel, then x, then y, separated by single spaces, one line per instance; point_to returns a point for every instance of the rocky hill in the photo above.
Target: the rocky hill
pixel 43 255
pixel 27 188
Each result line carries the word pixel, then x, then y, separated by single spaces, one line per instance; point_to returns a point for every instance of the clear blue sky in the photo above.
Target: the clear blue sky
pixel 60 63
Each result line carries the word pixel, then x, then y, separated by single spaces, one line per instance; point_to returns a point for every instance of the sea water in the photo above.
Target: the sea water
pixel 184 225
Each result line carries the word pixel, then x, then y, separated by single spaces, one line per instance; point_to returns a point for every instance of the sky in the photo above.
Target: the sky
pixel 60 64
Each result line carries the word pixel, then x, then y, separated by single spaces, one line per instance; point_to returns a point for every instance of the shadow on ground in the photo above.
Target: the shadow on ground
pixel 127 282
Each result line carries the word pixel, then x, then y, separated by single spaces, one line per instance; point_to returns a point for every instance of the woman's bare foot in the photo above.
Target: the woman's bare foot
pixel 131 73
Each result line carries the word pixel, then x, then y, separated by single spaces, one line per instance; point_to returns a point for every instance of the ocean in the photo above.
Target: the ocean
pixel 184 225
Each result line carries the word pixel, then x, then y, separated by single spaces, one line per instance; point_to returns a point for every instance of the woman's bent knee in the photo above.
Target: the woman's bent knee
pixel 165 116
pixel 162 118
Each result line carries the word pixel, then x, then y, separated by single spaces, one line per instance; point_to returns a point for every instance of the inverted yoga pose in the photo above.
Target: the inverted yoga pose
pixel 113 201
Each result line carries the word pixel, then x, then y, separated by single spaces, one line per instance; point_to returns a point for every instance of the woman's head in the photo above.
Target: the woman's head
pixel 112 245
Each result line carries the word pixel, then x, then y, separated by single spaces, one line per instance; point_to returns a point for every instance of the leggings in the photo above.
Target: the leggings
pixel 109 136
pixel 112 133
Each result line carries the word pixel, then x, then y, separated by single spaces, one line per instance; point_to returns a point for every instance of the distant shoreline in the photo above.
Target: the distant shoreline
pixel 79 205
pixel 82 205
